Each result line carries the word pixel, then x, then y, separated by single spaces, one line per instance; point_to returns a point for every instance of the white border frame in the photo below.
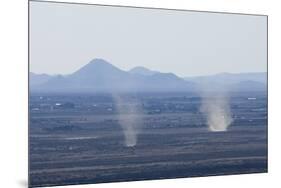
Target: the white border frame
pixel 14 93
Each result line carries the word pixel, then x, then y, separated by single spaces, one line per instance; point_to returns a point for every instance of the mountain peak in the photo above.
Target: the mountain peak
pixel 99 62
pixel 97 67
pixel 142 71
pixel 139 68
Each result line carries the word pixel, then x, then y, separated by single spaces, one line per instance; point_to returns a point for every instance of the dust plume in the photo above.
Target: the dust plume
pixel 215 106
pixel 217 111
pixel 129 117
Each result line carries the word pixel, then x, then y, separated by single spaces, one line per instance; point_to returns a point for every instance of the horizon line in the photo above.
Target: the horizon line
pixel 106 62
pixel 59 74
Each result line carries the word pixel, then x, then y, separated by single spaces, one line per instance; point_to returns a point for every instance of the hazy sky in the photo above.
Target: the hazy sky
pixel 65 37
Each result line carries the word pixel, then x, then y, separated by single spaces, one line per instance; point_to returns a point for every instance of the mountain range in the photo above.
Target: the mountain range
pixel 101 76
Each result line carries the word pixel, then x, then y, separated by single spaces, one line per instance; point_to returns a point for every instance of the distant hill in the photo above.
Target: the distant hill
pixel 101 76
pixel 230 81
pixel 142 71
pixel 230 78
pixel 38 79
pixel 249 86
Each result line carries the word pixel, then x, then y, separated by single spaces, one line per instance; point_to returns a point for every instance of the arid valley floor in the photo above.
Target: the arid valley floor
pixel 78 138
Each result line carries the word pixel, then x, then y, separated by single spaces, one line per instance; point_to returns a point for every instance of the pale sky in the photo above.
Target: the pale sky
pixel 65 37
